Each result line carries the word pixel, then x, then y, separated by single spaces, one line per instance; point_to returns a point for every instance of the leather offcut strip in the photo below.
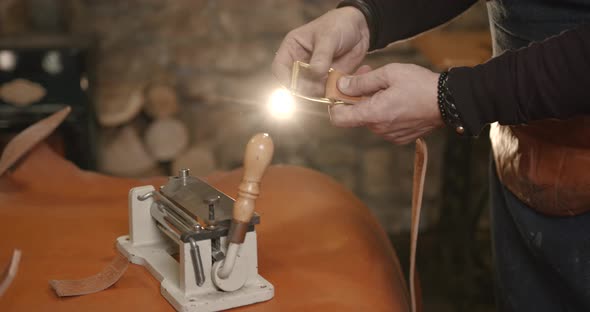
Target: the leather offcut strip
pixel 28 138
pixel 101 281
pixel 10 271
pixel 420 164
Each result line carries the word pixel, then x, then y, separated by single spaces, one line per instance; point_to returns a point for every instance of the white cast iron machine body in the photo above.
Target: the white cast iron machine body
pixel 212 235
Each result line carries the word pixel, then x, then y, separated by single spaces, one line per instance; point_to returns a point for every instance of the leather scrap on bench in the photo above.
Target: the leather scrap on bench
pixel 10 271
pixel 101 281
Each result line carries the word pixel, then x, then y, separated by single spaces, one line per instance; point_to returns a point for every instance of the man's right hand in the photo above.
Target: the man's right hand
pixel 337 39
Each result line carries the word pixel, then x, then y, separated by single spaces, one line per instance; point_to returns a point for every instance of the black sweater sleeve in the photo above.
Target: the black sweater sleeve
pixel 393 20
pixel 549 79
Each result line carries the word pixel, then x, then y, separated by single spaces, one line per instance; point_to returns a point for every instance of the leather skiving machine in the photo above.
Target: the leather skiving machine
pixel 213 235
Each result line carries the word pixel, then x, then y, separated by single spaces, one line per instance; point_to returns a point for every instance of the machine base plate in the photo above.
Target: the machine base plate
pixel 166 269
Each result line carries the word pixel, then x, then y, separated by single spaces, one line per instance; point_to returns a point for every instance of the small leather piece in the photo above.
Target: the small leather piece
pixel 28 138
pixel 546 164
pixel 101 281
pixel 420 164
pixel 10 271
pixel 21 92
pixel 332 91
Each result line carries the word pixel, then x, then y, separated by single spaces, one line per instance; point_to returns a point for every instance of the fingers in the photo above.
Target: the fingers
pixel 385 128
pixel 289 51
pixel 347 116
pixel 402 139
pixel 397 133
pixel 390 132
pixel 406 136
pixel 322 55
pixel 359 114
pixel 349 64
pixel 281 72
pixel 364 84
pixel 363 70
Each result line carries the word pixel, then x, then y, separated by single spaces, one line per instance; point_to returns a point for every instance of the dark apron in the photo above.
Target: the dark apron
pixel 542 263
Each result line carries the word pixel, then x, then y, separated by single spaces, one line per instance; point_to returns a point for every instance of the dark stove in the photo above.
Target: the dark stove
pixel 62 66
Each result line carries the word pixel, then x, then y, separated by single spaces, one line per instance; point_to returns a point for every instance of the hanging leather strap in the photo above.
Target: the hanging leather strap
pixel 23 142
pixel 420 164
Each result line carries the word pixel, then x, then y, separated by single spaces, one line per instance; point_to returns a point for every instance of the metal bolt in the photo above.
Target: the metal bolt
pixel 197 228
pixel 211 202
pixel 184 173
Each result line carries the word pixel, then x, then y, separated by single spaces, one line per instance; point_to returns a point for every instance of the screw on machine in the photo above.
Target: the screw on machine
pixel 212 202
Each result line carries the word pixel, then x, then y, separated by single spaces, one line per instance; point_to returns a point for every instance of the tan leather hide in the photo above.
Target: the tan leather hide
pixel 318 244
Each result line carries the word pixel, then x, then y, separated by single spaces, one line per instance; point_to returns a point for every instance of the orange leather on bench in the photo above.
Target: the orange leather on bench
pixel 318 244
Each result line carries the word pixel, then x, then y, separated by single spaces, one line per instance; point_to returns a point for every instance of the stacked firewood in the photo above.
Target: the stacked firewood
pixel 143 135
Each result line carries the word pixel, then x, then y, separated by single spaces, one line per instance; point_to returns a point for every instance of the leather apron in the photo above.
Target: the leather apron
pixel 546 164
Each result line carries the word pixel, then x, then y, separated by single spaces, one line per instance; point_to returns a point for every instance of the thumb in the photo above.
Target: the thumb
pixel 364 84
pixel 322 55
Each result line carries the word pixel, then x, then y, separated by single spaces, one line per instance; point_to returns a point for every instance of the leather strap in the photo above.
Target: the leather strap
pixel 420 164
pixel 28 138
pixel 101 281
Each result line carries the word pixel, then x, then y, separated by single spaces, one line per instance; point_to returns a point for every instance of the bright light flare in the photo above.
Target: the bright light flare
pixel 281 104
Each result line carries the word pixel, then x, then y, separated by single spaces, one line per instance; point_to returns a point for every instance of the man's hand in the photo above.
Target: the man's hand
pixel 337 39
pixel 400 102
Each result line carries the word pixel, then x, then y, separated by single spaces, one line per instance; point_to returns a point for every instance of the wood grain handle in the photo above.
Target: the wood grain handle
pixel 258 156
pixel 332 91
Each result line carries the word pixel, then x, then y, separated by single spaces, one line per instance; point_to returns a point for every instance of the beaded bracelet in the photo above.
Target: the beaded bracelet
pixel 446 105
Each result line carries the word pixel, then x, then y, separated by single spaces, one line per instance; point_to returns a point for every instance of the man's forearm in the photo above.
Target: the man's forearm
pixel 549 79
pixel 393 20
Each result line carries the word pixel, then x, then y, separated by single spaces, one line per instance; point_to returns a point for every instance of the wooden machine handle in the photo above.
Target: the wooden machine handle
pixel 332 91
pixel 257 157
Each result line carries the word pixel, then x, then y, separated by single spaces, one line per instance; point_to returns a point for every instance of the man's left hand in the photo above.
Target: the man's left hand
pixel 400 102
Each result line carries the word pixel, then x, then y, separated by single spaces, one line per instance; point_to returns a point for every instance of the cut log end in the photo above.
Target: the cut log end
pixel 166 138
pixel 199 159
pixel 119 104
pixel 162 102
pixel 122 153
